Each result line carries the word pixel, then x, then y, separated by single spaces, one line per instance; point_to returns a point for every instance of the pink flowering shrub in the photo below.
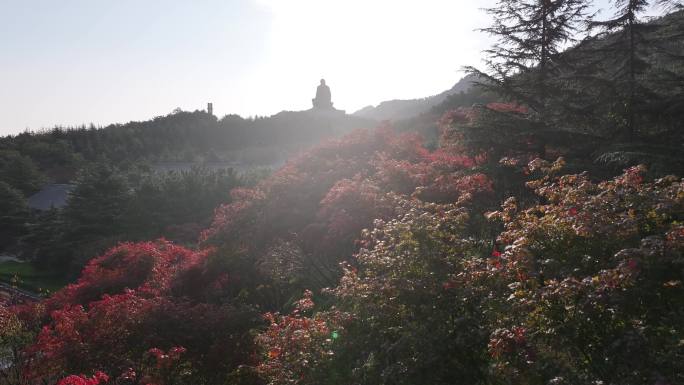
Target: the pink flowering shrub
pixel 96 379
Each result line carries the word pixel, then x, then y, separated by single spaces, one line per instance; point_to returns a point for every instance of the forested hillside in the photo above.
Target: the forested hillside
pixel 139 180
pixel 195 137
pixel 536 237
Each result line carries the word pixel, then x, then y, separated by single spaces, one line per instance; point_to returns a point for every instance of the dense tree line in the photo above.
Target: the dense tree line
pixel 107 206
pixel 180 136
pixel 14 214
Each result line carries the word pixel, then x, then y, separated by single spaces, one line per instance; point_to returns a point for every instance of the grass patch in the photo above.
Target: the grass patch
pixel 25 276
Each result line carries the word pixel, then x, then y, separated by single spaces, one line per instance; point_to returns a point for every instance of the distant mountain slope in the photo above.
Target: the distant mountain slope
pixel 403 109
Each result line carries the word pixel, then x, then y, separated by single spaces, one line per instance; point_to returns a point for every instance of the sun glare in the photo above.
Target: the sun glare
pixel 367 50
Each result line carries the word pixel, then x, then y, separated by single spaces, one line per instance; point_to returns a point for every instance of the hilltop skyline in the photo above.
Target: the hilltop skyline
pixel 82 62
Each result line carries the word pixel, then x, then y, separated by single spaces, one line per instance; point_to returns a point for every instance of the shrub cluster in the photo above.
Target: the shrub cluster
pixel 372 260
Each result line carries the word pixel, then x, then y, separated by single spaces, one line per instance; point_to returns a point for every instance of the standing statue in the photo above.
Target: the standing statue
pixel 323 98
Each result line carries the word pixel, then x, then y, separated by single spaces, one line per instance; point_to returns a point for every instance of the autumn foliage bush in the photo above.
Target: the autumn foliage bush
pixel 372 260
pixel 298 346
pixel 584 287
pixel 128 301
pixel 318 204
pixel 594 281
pixel 287 234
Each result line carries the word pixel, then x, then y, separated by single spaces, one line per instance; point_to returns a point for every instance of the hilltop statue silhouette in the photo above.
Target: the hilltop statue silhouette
pixel 323 98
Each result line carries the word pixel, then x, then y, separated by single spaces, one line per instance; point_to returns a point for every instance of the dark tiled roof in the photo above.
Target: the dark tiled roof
pixel 54 195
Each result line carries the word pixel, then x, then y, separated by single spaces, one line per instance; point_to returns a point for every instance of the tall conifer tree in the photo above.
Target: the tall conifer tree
pixel 627 59
pixel 530 34
pixel 524 65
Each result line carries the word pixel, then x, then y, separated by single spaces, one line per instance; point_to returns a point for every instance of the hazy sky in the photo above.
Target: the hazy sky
pixel 70 62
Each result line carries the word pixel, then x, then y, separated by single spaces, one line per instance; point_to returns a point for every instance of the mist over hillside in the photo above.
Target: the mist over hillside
pixel 403 109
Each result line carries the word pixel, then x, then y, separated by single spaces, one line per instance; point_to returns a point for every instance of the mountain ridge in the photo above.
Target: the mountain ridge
pixel 398 109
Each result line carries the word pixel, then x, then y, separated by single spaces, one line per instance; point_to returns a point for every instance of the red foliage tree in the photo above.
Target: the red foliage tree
pixel 131 299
